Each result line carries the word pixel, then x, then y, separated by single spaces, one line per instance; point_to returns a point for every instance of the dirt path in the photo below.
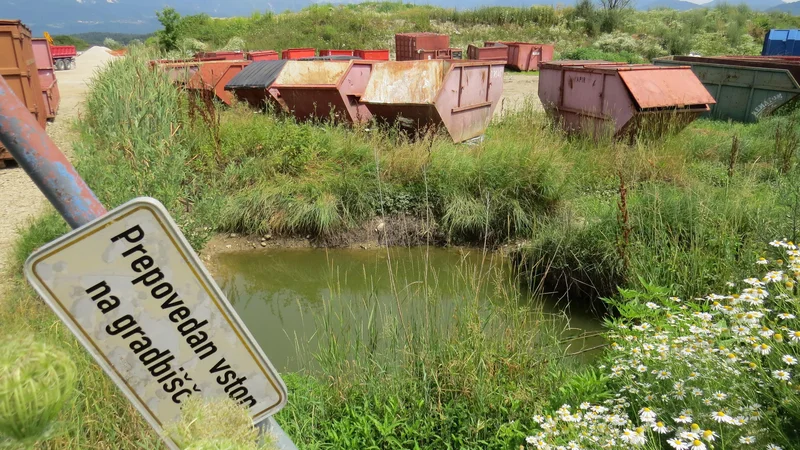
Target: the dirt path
pixel 22 199
pixel 518 89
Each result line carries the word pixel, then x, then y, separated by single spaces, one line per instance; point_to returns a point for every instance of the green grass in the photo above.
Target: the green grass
pixel 690 212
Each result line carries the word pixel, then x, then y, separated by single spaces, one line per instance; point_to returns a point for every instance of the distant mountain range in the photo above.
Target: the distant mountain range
pixel 138 16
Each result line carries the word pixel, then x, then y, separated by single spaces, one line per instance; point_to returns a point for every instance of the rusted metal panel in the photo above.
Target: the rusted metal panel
pixel 743 93
pixel 405 82
pixel 211 78
pixel 620 99
pixel 457 95
pixel 498 53
pixel 655 87
pixel 51 97
pixel 325 89
pixel 311 72
pixel 408 45
pixel 18 68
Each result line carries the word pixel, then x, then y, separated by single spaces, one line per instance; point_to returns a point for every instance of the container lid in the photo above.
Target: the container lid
pixel 259 74
pixel 405 82
pixel 658 87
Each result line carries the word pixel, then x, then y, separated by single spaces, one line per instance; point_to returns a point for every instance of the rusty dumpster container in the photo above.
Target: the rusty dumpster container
pixel 337 52
pixel 297 53
pixel 211 77
pixel 263 55
pixel 325 89
pixel 18 68
pixel 419 95
pixel 495 53
pixel 47 77
pixel 621 99
pixel 745 88
pixel 179 71
pixel 226 55
pixel 373 55
pixel 408 45
pixel 525 56
pixel 253 84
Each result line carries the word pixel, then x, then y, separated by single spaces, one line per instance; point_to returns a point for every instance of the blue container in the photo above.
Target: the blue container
pixel 781 43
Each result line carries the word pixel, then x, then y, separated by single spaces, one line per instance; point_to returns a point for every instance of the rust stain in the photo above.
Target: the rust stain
pixel 405 82
pixel 311 72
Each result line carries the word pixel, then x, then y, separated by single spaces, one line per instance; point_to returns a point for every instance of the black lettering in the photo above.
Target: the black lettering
pixel 136 248
pixel 120 325
pixel 152 355
pixel 176 396
pixel 226 377
pixel 108 304
pixel 129 235
pixel 190 326
pixel 238 393
pixel 210 347
pixel 179 314
pixel 169 305
pixel 161 367
pixel 167 377
pixel 249 401
pixel 162 290
pixel 142 344
pixel 173 384
pixel 105 290
pixel 220 366
pixel 149 278
pixel 143 263
pixel 239 381
pixel 137 330
pixel 196 339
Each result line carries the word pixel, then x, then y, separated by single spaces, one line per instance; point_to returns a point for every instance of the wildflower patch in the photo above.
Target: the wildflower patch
pixel 716 372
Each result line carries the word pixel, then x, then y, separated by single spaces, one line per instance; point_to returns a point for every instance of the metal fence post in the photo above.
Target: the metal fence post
pixel 56 177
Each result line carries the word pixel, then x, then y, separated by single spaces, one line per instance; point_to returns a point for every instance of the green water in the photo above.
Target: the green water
pixel 283 294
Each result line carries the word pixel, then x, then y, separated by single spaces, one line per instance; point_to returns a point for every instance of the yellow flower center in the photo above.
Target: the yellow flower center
pixel 778 337
pixel 707 433
pixel 696 443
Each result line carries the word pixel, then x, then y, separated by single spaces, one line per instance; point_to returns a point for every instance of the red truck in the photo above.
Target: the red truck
pixel 63 56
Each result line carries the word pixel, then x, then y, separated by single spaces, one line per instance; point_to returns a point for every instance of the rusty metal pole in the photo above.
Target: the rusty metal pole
pixel 33 149
pixel 55 176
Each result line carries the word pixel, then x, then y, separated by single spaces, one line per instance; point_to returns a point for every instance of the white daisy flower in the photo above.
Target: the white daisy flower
pixel 659 427
pixel 781 375
pixel 747 439
pixel 789 360
pixel 683 419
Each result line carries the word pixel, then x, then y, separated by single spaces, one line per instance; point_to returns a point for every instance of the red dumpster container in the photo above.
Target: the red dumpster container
pixel 334 52
pixel 321 89
pixel 47 76
pixel 457 95
pixel 597 97
pixel 524 56
pixel 373 55
pixel 499 53
pixel 226 55
pixel 263 55
pixel 212 76
pixel 18 69
pixel 408 45
pixel 297 53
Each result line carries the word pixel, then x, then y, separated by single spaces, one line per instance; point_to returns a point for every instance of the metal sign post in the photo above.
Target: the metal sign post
pixel 100 280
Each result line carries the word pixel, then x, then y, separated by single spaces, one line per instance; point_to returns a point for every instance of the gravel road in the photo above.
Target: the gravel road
pixel 22 201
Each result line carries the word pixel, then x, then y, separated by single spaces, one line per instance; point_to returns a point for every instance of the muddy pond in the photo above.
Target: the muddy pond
pixel 289 298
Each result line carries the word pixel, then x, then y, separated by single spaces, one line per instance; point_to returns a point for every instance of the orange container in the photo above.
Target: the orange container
pixel 18 68
pixel 263 55
pixel 373 55
pixel 211 77
pixel 297 53
pixel 337 52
